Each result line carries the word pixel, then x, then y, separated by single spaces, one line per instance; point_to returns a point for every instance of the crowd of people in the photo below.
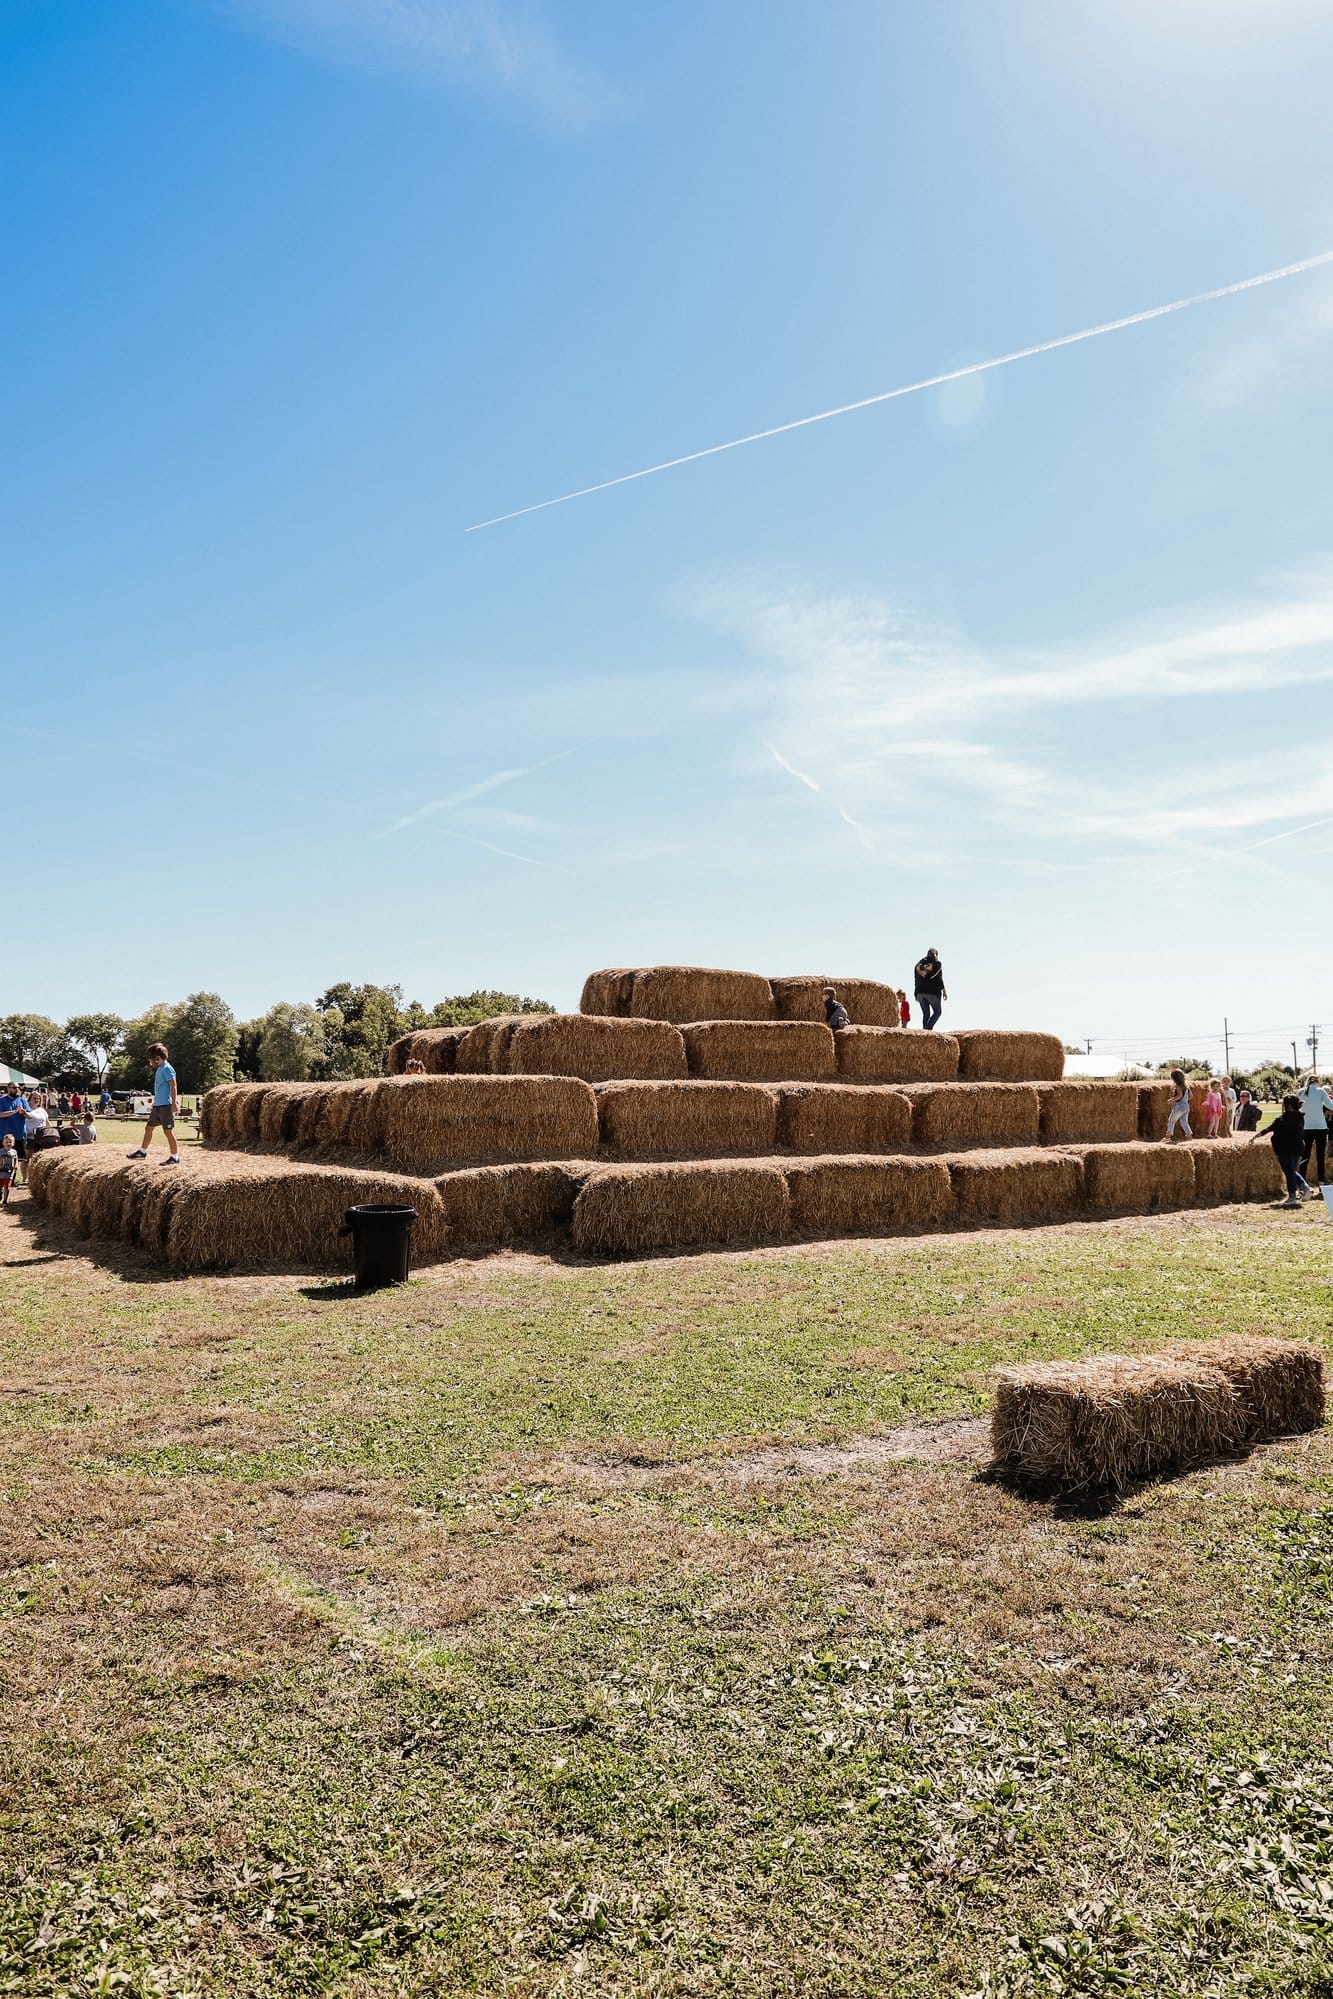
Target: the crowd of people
pixel 1298 1134
pixel 28 1124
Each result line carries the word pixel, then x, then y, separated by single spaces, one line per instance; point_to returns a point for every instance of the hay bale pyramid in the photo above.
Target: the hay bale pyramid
pixel 681 1108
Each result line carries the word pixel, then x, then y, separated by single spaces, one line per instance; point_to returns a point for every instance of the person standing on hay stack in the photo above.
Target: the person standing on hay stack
pixel 930 993
pixel 166 1105
pixel 1178 1117
pixel 835 1013
pixel 1316 1103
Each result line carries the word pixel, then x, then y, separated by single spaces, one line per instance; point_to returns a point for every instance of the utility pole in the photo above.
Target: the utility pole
pixel 1314 1044
pixel 1226 1044
pixel 1295 1065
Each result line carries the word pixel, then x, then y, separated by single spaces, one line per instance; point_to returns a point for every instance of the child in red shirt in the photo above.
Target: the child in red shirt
pixel 904 1011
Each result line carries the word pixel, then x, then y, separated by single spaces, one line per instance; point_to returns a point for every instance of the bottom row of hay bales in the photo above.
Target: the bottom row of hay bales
pixel 1107 1422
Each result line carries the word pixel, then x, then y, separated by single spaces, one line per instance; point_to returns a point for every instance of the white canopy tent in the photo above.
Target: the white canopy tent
pixel 20 1080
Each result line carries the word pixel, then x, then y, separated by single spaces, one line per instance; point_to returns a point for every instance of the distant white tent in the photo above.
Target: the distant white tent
pixel 22 1081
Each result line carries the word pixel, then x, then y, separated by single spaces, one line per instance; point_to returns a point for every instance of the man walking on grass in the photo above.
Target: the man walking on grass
pixel 166 1103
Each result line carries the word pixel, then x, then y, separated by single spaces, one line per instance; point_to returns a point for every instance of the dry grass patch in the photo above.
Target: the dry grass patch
pixel 975 1114
pixel 597 1048
pixel 778 1051
pixel 868 1003
pixel 1018 1186
pixel 896 1055
pixel 631 1209
pixel 1107 1422
pixel 845 1196
pixel 432 1122
pixel 1009 1055
pixel 1137 1178
pixel 686 1120
pixel 843 1117
pixel 1077 1111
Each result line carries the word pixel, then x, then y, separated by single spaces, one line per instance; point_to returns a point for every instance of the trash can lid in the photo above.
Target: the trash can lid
pixel 381 1211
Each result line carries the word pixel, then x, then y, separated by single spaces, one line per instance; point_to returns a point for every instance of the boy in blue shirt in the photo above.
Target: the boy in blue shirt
pixel 166 1103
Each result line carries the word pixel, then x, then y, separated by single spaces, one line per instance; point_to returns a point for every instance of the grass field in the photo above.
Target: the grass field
pixel 651 1628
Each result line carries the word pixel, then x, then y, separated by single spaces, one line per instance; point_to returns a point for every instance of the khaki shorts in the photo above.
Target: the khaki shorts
pixel 163 1117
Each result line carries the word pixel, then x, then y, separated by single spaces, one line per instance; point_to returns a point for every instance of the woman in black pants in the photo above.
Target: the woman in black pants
pixel 1315 1101
pixel 930 993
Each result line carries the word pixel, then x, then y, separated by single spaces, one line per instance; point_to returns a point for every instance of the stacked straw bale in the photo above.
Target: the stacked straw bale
pixel 280 1113
pixel 1019 1186
pixel 597 1047
pixel 896 1055
pixel 850 1196
pixel 843 1117
pixel 1198 1091
pixel 1088 1111
pixel 233 1117
pixel 686 1120
pixel 607 992
pixel 435 1047
pixel 333 1116
pixel 364 1133
pixel 868 1003
pixel 761 1051
pixel 1136 1178
pixel 312 1110
pixel 1278 1383
pixel 1234 1171
pixel 1009 1055
pixel 951 1114
pixel 284 1214
pixel 693 992
pixel 1104 1423
pixel 1154 1106
pixel 213 1114
pixel 486 1206
pixel 429 1123
pixel 634 1209
pixel 481 1051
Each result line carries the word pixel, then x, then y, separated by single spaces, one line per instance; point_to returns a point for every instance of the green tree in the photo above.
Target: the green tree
pixel 465 1009
pixel 247 1050
pixel 291 1043
pixel 99 1036
pixel 202 1041
pixel 359 1023
pixel 130 1068
pixel 31 1042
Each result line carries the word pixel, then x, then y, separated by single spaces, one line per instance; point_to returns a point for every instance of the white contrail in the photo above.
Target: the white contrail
pixel 929 382
pixel 791 769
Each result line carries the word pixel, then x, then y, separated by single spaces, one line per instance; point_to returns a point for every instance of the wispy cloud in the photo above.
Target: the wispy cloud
pixel 498 44
pixel 479 789
pixel 1294 350
pixel 803 777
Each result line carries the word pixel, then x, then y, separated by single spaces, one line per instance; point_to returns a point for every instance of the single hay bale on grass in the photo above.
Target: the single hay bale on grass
pixel 1279 1383
pixel 843 1117
pixel 760 1051
pixel 1137 1178
pixel 429 1123
pixel 693 992
pixel 1154 1106
pixel 597 1047
pixel 1009 1055
pixel 251 1214
pixel 896 1055
pixel 485 1206
pixel 481 1052
pixel 607 992
pixel 280 1113
pixel 686 1120
pixel 629 1210
pixel 868 1003
pixel 436 1048
pixel 948 1114
pixel 1234 1170
pixel 1076 1111
pixel 1104 1423
pixel 1019 1186
pixel 849 1196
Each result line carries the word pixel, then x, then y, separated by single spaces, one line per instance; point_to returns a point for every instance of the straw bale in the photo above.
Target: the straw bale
pixel 485 1206
pixel 597 1047
pixel 1234 1170
pixel 1019 1186
pixel 103 1212
pixel 364 1131
pixel 607 992
pixel 1279 1383
pixel 692 992
pixel 1009 1055
pixel 1136 1178
pixel 333 1116
pixel 1198 1091
pixel 760 1051
pixel 481 1052
pixel 1103 1423
pixel 851 1196
pixel 631 1209
pixel 153 1207
pixel 1090 1111
pixel 843 1117
pixel 686 1120
pixel 435 1047
pixel 1154 1106
pixel 868 1003
pixel 245 1107
pixel 280 1213
pixel 213 1114
pixel 280 1113
pixel 428 1123
pixel 896 1055
pixel 948 1114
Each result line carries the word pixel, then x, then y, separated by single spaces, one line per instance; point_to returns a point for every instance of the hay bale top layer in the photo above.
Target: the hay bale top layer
pixel 599 1048
pixel 607 992
pixel 431 1122
pixel 896 1055
pixel 695 992
pixel 868 1003
pixel 760 1051
pixel 1009 1055
pixel 436 1047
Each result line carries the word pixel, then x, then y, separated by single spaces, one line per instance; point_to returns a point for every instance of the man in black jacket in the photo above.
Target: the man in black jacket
pixel 930 993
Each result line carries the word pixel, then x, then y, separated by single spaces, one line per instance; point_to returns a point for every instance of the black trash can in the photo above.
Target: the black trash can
pixel 381 1235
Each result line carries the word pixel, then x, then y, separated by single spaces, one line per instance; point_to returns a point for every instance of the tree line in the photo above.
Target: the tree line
pixel 344 1034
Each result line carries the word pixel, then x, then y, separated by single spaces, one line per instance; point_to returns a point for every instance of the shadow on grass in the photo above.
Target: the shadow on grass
pixel 1098 1502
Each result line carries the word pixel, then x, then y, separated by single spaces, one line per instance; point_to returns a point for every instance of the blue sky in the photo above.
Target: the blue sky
pixel 1035 667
